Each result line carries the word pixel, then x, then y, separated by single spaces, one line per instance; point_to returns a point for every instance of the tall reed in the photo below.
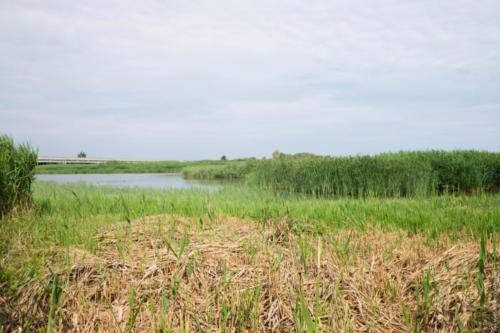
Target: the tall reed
pixel 227 170
pixel 17 164
pixel 404 174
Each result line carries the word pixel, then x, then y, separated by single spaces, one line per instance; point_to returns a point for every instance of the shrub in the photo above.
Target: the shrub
pixel 17 164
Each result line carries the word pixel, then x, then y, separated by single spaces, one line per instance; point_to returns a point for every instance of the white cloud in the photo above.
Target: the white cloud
pixel 200 73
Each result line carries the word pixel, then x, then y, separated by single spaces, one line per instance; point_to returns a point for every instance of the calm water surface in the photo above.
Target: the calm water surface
pixel 152 180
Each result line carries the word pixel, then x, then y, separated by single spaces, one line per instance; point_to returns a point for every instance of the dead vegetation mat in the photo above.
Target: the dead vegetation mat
pixel 172 274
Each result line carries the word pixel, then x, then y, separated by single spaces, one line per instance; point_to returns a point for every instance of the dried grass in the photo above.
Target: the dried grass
pixel 233 275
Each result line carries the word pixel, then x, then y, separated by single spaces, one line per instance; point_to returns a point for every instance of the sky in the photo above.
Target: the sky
pixel 200 79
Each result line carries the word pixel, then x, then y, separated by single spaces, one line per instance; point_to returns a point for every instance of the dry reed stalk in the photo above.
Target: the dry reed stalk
pixel 235 275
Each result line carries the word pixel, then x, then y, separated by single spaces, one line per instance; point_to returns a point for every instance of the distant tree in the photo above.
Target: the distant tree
pixel 82 154
pixel 223 158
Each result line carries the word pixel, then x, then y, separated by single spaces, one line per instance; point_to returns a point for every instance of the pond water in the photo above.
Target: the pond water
pixel 151 180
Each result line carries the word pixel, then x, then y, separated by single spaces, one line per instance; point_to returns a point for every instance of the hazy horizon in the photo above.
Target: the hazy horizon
pixel 196 80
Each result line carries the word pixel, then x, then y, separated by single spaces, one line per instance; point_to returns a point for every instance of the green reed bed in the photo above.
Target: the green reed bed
pixel 17 163
pixel 403 174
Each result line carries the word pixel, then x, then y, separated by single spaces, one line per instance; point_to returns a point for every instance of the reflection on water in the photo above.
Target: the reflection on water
pixel 152 180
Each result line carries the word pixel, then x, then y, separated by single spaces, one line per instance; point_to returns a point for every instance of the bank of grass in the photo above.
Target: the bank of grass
pixel 123 167
pixel 235 170
pixel 97 258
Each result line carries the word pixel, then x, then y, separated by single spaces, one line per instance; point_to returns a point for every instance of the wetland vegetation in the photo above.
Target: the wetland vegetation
pixel 17 163
pixel 402 174
pixel 121 167
pixel 394 242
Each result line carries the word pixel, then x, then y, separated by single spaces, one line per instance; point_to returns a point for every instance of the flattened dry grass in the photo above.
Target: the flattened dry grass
pixel 170 274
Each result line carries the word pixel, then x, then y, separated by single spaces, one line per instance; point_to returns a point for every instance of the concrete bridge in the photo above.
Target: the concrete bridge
pixel 77 160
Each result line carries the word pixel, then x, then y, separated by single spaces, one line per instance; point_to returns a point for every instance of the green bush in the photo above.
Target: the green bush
pixel 17 164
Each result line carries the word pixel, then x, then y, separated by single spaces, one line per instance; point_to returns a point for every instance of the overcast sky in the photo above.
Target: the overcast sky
pixel 198 79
